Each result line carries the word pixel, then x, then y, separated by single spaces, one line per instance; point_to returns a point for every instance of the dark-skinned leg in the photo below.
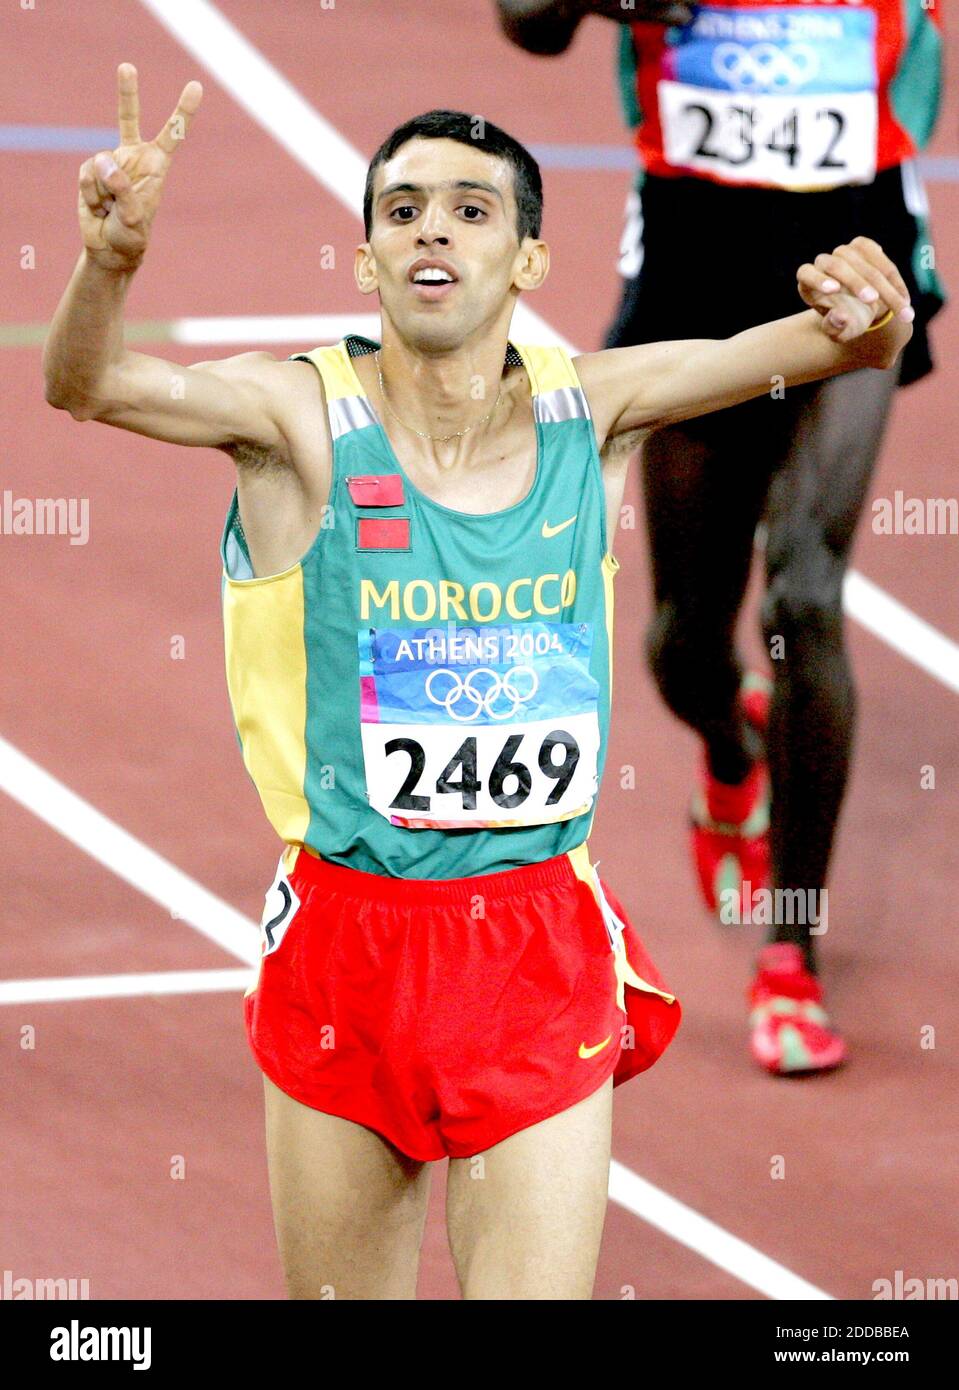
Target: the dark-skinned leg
pixel 815 500
pixel 705 483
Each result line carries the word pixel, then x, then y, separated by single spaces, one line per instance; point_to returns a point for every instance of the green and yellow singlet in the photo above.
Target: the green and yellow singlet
pixel 426 693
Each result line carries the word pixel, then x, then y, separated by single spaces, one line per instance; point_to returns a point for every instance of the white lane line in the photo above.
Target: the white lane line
pixel 266 95
pixel 74 987
pixel 698 1233
pixel 106 842
pixel 273 328
pixel 315 328
pixel 908 634
pixel 271 101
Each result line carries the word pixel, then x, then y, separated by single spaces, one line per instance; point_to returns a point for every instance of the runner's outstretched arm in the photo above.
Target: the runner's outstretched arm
pixel 87 369
pixel 850 293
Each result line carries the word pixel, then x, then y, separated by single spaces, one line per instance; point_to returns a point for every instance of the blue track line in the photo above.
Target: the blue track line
pixel 80 139
pixel 942 168
pixel 58 139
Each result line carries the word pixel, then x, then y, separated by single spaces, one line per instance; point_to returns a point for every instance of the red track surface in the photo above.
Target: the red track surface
pixel 114 1089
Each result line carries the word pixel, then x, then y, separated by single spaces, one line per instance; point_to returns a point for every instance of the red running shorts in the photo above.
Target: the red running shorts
pixel 448 1015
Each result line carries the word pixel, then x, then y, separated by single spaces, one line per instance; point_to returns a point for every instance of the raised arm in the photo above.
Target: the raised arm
pixel 87 368
pixel 546 27
pixel 859 316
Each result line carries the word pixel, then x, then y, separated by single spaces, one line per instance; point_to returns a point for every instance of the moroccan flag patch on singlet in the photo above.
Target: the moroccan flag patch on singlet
pixel 777 95
pixel 469 728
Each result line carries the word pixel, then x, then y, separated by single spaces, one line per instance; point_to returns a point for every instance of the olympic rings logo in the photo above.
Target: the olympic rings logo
pixel 764 66
pixel 469 694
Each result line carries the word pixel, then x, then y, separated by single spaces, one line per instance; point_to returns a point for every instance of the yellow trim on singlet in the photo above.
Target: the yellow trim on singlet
pixel 266 676
pixel 549 368
pixel 625 974
pixel 579 858
pixel 335 365
pixel 610 568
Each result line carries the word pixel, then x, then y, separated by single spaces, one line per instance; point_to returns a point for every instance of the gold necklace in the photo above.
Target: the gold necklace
pixel 437 438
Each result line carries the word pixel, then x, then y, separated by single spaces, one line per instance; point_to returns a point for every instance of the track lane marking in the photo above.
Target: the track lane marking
pixel 273 328
pixel 718 1246
pixel 901 629
pixel 119 851
pixel 68 988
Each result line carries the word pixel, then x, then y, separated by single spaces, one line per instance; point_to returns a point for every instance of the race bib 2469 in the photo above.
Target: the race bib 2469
pixel 782 96
pixel 479 727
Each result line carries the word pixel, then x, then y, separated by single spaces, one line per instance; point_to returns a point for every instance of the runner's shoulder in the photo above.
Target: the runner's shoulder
pixel 276 375
pixel 612 377
pixel 594 373
pixel 292 393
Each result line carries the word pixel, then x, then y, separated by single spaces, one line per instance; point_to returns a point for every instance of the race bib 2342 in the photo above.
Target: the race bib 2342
pixel 782 96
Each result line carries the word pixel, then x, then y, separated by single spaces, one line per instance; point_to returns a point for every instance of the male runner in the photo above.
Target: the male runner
pixel 764 131
pixel 418 606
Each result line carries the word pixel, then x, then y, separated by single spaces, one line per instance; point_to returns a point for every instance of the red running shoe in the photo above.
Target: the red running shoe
pixel 730 824
pixel 790 1031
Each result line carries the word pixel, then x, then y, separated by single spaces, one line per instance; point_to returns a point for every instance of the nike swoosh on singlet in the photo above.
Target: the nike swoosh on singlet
pixel 549 531
pixel 587 1052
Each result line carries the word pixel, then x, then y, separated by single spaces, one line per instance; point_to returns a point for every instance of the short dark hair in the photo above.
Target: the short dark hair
pixel 479 134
